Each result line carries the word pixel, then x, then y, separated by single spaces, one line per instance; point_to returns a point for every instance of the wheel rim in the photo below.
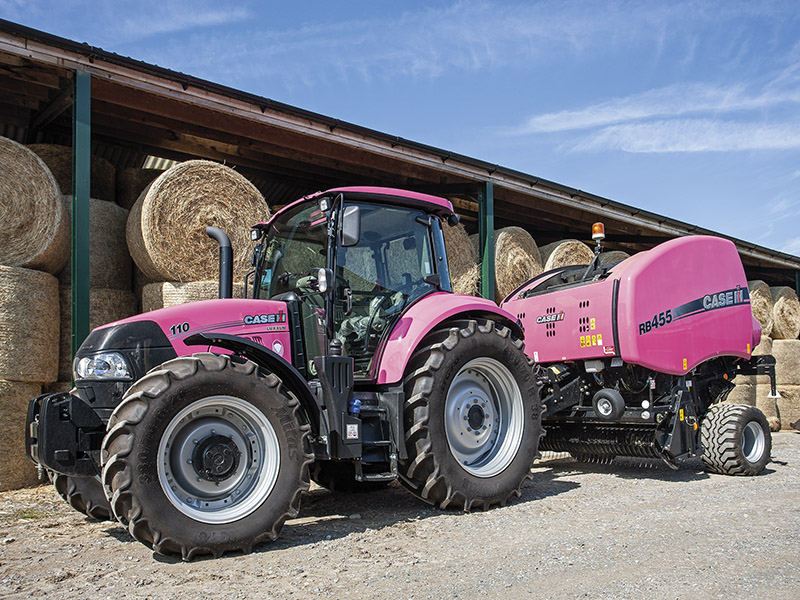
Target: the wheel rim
pixel 483 417
pixel 218 459
pixel 753 442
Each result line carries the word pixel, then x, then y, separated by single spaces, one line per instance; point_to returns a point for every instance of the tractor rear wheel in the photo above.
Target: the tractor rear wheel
pixel 84 494
pixel 472 416
pixel 206 454
pixel 735 439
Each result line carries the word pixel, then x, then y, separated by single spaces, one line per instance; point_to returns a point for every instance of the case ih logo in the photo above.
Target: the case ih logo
pixel 550 318
pixel 265 319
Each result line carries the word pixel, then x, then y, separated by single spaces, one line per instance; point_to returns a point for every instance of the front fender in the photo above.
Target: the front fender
pixel 425 315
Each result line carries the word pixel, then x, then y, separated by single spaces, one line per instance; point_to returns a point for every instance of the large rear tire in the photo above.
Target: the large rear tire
pixel 205 455
pixel 472 417
pixel 84 494
pixel 736 440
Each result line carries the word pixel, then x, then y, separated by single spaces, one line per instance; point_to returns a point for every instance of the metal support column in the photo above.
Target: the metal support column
pixel 486 239
pixel 81 160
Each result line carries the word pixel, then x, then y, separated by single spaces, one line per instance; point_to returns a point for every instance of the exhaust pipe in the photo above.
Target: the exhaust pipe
pixel 225 261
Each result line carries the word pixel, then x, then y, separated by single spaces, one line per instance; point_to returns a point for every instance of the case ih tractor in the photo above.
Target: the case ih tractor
pixel 351 363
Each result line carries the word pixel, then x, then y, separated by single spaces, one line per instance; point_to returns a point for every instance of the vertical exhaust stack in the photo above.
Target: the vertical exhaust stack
pixel 225 261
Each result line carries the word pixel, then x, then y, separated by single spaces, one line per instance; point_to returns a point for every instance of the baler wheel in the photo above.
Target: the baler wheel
pixel 204 455
pixel 736 440
pixel 84 494
pixel 472 416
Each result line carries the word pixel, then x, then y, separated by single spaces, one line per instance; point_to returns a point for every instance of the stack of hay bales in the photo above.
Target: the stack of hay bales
pixel 166 230
pixel 35 241
pixel 516 259
pixel 565 253
pixel 462 260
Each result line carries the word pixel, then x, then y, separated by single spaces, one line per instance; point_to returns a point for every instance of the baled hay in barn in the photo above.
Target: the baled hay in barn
pixel 787 361
pixel 16 471
pixel 59 160
pixel 761 305
pixel 105 306
pixel 462 260
pixel 612 256
pixel 28 325
pixel 789 405
pixel 785 313
pixel 166 229
pixel 172 293
pixel 131 182
pixel 109 259
pixel 34 225
pixel 516 260
pixel 565 253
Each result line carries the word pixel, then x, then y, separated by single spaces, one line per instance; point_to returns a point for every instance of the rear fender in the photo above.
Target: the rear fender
pixel 424 316
pixel 269 360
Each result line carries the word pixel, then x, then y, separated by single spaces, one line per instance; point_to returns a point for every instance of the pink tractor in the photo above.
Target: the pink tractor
pixel 351 363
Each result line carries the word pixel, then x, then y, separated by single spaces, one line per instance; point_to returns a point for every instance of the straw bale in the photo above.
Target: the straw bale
pixel 110 264
pixel 612 256
pixel 789 405
pixel 16 471
pixel 131 182
pixel 565 253
pixel 105 306
pixel 59 160
pixel 33 226
pixel 58 387
pixel 743 393
pixel 172 293
pixel 785 313
pixel 764 347
pixel 516 260
pixel 166 228
pixel 787 361
pixel 28 325
pixel 761 304
pixel 462 260
pixel 767 405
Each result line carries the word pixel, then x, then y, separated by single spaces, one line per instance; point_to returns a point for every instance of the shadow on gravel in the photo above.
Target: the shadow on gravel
pixel 631 468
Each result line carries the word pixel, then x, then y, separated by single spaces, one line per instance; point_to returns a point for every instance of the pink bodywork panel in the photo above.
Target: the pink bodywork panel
pixel 679 304
pixel 418 321
pixel 263 321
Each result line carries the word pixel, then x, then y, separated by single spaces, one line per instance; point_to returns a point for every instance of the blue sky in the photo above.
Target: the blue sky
pixel 689 109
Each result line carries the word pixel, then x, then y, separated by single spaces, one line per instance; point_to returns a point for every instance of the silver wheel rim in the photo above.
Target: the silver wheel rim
pixel 248 481
pixel 753 442
pixel 484 417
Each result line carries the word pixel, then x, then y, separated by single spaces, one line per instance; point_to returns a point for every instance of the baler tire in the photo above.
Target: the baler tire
pixel 340 477
pixel 736 440
pixel 230 415
pixel 453 370
pixel 84 494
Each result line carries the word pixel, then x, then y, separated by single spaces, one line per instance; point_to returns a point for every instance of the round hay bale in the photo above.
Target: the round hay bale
pixel 462 260
pixel 785 313
pixel 787 361
pixel 16 471
pixel 105 306
pixel 764 347
pixel 131 182
pixel 172 293
pixel 166 228
pixel 789 405
pixel 110 263
pixel 516 260
pixel 761 305
pixel 612 256
pixel 33 226
pixel 565 253
pixel 743 393
pixel 767 405
pixel 28 325
pixel 59 160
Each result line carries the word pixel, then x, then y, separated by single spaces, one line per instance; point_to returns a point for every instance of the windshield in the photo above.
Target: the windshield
pixel 294 250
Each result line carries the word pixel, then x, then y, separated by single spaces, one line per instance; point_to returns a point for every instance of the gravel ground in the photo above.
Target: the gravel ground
pixel 634 529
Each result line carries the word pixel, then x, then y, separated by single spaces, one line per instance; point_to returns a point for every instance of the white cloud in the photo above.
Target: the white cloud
pixel 693 135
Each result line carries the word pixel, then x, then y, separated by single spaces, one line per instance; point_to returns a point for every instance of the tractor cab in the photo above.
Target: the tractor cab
pixel 350 262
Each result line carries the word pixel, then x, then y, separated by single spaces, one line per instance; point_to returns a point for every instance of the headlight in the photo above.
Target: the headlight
pixel 106 365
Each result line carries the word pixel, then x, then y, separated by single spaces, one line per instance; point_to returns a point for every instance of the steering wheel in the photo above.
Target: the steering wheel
pixel 374 310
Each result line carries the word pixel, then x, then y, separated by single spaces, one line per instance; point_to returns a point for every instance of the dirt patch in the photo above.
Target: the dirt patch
pixel 633 529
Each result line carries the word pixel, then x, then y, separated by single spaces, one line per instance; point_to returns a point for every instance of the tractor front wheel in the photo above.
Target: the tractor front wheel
pixel 472 416
pixel 206 454
pixel 84 494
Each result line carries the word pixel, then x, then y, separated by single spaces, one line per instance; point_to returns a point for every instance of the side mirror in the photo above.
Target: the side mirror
pixel 351 226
